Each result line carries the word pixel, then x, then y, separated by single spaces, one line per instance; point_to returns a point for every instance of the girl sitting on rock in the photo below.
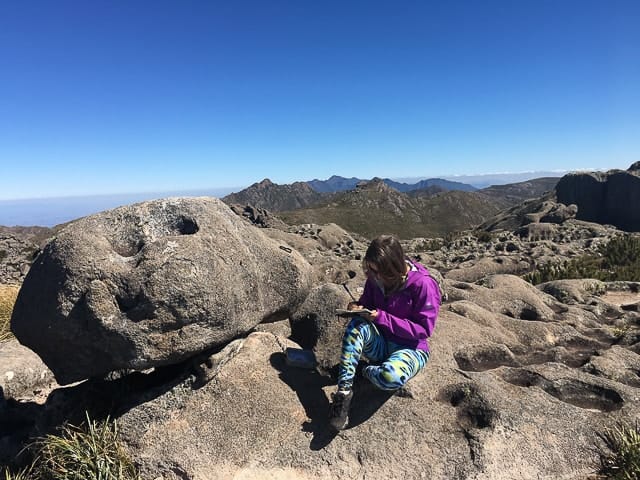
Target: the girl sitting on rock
pixel 404 301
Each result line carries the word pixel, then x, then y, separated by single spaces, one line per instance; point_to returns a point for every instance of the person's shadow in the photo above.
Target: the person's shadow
pixel 308 385
pixel 367 399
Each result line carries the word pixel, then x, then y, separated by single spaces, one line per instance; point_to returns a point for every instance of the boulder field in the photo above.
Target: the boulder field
pixel 183 339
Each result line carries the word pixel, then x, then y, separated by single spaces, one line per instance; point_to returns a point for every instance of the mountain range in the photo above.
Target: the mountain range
pixel 340 184
pixel 428 208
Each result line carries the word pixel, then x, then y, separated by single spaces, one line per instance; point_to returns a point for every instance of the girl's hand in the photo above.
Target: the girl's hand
pixel 371 316
pixel 361 311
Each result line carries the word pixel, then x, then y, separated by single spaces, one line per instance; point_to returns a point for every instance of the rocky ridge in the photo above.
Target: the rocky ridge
pixel 276 198
pixel 429 208
pixel 515 193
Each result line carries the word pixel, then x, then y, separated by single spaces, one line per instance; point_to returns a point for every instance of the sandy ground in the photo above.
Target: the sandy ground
pixel 621 298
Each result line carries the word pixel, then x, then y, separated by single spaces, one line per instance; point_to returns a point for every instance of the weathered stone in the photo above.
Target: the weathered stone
pixel 258 216
pixel 560 213
pixel 476 270
pixel 509 364
pixel 22 373
pixel 604 197
pixel 152 284
pixel 537 231
pixel 327 265
pixel 573 291
pixel 316 326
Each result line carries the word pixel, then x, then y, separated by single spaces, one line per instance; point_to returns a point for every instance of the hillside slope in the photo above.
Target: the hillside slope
pixel 373 208
pixel 274 197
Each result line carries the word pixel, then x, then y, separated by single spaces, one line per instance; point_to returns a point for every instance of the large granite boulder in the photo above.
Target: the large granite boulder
pixel 604 197
pixel 153 284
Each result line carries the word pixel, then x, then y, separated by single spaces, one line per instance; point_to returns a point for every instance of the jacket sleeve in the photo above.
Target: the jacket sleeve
pixel 421 320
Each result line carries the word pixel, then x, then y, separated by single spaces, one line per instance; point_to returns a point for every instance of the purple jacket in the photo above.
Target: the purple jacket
pixel 407 316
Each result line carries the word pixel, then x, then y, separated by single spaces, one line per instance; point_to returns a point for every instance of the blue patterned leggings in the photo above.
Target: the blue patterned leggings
pixel 398 363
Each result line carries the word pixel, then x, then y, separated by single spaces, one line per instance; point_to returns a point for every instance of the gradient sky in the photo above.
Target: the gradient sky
pixel 129 96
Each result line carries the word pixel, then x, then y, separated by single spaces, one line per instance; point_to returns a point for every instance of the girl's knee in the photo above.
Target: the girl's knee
pixel 356 323
pixel 386 377
pixel 358 328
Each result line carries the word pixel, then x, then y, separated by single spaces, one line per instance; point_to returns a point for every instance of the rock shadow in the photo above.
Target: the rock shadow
pixel 22 422
pixel 575 392
pixel 474 410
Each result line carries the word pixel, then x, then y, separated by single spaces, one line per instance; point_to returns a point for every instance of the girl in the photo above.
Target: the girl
pixel 403 300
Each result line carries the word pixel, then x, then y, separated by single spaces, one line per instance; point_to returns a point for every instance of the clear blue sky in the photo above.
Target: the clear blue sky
pixel 129 96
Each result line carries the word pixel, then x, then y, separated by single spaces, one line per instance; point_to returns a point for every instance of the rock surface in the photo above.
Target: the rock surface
pixel 257 216
pixel 604 197
pixel 315 325
pixel 518 386
pixel 152 284
pixel 470 257
pixel 22 373
pixel 16 255
pixel 504 396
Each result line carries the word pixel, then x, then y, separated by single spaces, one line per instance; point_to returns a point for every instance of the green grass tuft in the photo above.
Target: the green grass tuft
pixel 90 452
pixel 25 474
pixel 621 461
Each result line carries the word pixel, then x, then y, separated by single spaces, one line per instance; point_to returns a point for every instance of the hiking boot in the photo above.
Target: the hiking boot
pixel 339 409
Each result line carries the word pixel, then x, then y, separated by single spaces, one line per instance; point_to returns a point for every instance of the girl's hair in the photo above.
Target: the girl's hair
pixel 385 252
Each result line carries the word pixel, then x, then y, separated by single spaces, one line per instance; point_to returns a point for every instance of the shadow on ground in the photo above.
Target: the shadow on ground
pixel 308 385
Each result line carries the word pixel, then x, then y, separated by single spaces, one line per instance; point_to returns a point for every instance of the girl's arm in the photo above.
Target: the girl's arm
pixel 422 319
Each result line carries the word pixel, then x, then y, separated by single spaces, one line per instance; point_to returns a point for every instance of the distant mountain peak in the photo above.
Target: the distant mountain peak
pixel 274 197
pixel 264 183
pixel 376 184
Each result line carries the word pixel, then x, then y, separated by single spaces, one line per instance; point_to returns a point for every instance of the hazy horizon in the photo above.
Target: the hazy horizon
pixel 51 211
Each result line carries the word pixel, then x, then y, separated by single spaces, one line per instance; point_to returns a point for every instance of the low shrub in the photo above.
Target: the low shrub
pixel 484 236
pixel 24 474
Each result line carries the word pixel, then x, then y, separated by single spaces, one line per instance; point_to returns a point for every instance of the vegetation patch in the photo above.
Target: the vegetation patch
pixel 620 459
pixel 484 236
pixel 8 294
pixel 618 260
pixel 90 452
